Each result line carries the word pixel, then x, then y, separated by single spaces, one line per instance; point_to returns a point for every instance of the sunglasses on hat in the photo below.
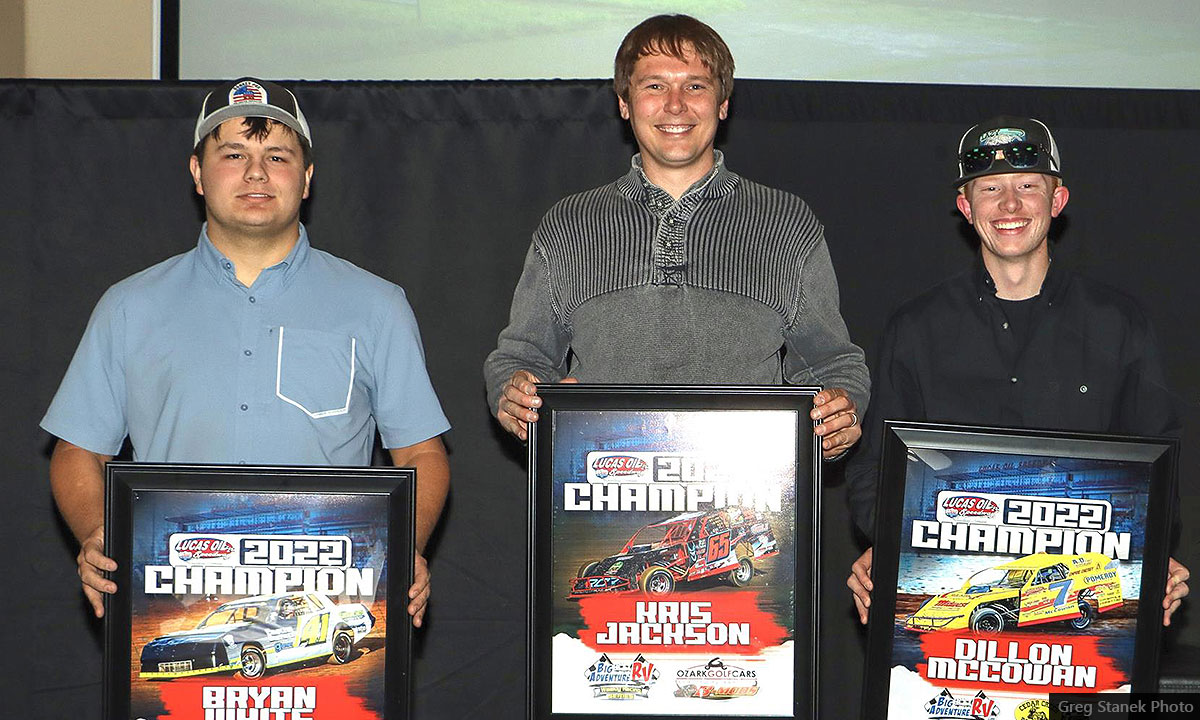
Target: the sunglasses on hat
pixel 1018 155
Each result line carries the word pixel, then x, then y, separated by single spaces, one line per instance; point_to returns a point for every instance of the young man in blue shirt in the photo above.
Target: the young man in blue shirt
pixel 254 347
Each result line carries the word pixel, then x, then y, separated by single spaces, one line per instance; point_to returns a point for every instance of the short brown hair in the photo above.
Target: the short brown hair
pixel 673 35
pixel 257 128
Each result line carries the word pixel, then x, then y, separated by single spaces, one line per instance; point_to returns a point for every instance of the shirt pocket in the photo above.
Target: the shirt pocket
pixel 314 371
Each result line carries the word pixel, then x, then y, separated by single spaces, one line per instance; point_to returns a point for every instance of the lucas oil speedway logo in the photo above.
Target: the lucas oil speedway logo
pixel 945 706
pixel 605 466
pixel 616 681
pixel 716 681
pixel 967 506
pixel 189 549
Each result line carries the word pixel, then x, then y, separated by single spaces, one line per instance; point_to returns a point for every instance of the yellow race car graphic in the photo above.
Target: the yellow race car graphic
pixel 1035 589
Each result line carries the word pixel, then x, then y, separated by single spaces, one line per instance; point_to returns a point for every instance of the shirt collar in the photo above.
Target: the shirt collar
pixel 277 275
pixel 1052 284
pixel 716 182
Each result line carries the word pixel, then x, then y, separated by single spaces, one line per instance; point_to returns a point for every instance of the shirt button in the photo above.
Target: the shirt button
pixel 1012 379
pixel 228 266
pixel 244 406
pixel 1083 388
pixel 247 352
pixel 251 298
pixel 1005 326
pixel 241 462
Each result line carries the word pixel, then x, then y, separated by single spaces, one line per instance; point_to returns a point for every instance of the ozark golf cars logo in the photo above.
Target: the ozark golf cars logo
pixel 619 681
pixel 716 681
pixel 945 706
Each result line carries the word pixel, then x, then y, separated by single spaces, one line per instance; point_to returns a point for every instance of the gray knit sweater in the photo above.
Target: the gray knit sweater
pixel 732 283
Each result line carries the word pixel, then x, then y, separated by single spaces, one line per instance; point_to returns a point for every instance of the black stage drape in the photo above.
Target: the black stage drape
pixel 437 186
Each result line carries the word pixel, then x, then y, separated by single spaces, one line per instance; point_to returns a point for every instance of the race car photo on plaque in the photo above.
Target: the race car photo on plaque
pixel 674 552
pixel 258 592
pixel 1013 564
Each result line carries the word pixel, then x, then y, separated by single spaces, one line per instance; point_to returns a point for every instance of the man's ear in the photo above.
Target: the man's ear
pixel 307 180
pixel 1058 200
pixel 964 206
pixel 623 107
pixel 723 111
pixel 194 167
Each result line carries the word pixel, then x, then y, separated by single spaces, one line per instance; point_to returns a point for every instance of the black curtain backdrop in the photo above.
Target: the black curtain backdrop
pixel 437 186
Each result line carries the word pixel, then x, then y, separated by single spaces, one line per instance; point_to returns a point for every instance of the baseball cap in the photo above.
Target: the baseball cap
pixel 1007 144
pixel 250 97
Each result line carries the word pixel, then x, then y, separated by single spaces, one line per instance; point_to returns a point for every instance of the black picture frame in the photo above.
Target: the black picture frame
pixel 728 432
pixel 1112 493
pixel 168 39
pixel 307 530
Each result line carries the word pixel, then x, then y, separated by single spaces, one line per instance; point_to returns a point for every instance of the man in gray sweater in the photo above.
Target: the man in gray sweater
pixel 681 271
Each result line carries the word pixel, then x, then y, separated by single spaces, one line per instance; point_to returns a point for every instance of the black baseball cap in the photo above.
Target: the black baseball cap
pixel 1007 144
pixel 250 97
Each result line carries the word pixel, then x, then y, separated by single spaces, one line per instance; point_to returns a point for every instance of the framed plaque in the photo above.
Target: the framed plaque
pixel 674 565
pixel 258 592
pixel 1012 564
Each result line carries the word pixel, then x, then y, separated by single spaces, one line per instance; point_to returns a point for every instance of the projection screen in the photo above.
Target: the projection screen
pixel 1088 43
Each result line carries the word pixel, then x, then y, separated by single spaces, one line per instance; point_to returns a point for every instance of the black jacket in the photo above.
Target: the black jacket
pixel 1090 363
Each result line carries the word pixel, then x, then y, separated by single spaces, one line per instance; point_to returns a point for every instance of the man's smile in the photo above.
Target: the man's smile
pixel 1011 224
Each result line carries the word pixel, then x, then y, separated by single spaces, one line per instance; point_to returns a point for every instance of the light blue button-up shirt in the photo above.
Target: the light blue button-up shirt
pixel 297 369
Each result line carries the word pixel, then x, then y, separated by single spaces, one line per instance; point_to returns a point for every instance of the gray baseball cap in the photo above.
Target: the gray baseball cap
pixel 250 97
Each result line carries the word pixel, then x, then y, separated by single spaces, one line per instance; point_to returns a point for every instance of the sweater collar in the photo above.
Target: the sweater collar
pixel 716 182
